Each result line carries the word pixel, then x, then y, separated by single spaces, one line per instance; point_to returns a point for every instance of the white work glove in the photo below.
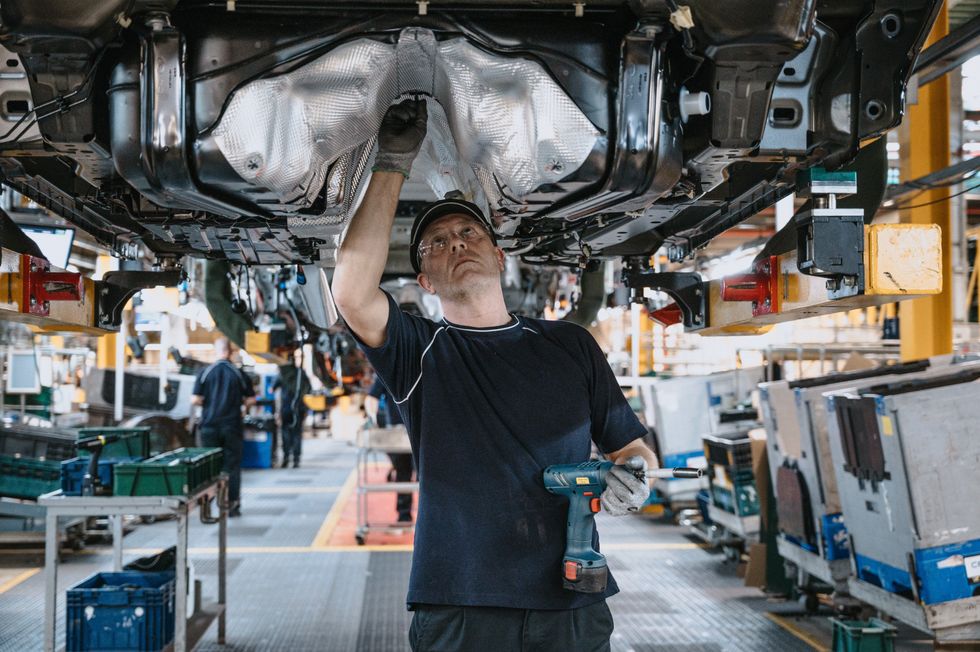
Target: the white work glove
pixel 624 491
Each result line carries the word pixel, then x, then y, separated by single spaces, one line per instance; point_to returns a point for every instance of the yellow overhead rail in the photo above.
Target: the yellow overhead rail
pixel 34 292
pixel 901 261
pixel 838 264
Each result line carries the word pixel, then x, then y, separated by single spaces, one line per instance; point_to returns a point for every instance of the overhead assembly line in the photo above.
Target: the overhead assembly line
pixel 491 325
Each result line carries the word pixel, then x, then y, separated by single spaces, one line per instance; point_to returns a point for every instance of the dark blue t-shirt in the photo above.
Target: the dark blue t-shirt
pixel 487 409
pixel 223 386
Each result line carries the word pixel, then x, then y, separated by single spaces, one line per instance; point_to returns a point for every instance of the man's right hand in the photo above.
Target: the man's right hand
pixel 400 137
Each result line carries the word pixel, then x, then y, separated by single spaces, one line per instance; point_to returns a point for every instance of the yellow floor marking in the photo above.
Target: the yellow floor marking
pixel 17 579
pixel 290 490
pixel 333 517
pixel 654 546
pixel 797 632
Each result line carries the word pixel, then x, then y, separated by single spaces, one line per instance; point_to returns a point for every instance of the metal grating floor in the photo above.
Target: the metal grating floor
pixel 287 594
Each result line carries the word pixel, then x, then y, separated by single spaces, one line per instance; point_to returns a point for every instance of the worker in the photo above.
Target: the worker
pixel 384 413
pixel 292 384
pixel 222 389
pixel 489 399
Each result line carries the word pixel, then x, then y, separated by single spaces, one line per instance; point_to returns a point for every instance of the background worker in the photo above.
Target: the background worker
pixel 489 400
pixel 222 389
pixel 292 385
pixel 381 409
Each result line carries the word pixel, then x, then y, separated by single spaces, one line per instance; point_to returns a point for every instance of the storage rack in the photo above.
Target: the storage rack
pixel 187 632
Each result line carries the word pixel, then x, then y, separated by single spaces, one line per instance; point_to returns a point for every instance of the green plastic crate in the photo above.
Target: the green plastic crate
pixel 26 477
pixel 135 442
pixel 863 636
pixel 215 459
pixel 178 472
pixel 207 461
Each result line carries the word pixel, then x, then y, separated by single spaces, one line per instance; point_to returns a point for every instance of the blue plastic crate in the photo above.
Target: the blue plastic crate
pixel 73 473
pixel 835 542
pixel 121 611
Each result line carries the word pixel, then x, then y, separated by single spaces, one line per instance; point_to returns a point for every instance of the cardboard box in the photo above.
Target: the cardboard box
pixel 755 572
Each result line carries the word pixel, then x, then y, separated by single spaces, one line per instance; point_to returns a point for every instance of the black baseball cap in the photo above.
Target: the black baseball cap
pixel 433 212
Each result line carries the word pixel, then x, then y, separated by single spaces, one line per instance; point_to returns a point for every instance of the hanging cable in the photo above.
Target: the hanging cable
pixel 938 201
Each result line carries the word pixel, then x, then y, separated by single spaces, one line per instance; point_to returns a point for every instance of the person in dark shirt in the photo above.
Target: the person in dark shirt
pixel 382 410
pixel 221 389
pixel 489 400
pixel 293 384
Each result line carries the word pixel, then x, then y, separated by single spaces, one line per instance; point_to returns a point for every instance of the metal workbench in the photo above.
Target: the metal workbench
pixel 187 632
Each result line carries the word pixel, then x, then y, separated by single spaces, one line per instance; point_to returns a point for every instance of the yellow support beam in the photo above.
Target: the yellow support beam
pixel 926 325
pixel 901 261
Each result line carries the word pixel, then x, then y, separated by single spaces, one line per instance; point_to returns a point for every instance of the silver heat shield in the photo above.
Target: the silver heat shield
pixel 499 127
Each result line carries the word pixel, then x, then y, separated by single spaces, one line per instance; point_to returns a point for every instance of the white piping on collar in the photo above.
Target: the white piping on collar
pixel 517 322
pixel 421 358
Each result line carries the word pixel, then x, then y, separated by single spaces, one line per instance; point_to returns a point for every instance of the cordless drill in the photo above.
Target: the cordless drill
pixel 583 568
pixel 91 483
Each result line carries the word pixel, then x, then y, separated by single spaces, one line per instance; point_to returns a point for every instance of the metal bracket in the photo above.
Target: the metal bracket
pixel 42 286
pixel 761 286
pixel 686 288
pixel 116 288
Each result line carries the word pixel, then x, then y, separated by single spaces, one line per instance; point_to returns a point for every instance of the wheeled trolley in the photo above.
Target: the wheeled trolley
pixel 375 442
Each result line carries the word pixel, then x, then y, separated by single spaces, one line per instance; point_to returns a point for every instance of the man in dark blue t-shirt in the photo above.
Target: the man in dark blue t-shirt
pixel 489 400
pixel 222 389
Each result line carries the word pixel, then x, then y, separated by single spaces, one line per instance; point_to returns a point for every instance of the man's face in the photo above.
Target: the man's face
pixel 458 257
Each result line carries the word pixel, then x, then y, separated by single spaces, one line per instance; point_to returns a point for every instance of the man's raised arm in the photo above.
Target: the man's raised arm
pixel 364 251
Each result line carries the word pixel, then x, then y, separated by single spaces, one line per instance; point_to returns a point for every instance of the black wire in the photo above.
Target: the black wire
pixel 248 291
pixel 926 187
pixel 938 201
pixel 57 101
pixel 302 335
pixel 299 385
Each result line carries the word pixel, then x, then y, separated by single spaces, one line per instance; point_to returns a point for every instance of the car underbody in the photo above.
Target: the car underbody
pixel 245 130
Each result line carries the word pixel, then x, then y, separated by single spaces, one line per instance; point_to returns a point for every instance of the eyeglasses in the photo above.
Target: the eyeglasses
pixel 438 243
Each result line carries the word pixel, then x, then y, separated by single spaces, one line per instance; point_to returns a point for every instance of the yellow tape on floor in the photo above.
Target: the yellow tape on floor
pixel 333 516
pixel 17 579
pixel 797 632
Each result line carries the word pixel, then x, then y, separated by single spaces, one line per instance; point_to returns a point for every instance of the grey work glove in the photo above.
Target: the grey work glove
pixel 624 491
pixel 401 134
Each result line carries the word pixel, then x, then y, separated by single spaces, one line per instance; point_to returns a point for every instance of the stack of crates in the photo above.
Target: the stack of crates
pixel 176 473
pixel 30 461
pixel 121 611
pixel 36 443
pixel 133 447
pixel 28 478
pixel 730 475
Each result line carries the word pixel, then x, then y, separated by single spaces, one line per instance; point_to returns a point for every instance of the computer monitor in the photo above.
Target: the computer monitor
pixel 23 375
pixel 53 241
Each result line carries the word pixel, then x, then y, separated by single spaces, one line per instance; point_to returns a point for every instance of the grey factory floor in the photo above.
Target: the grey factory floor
pixel 293 587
